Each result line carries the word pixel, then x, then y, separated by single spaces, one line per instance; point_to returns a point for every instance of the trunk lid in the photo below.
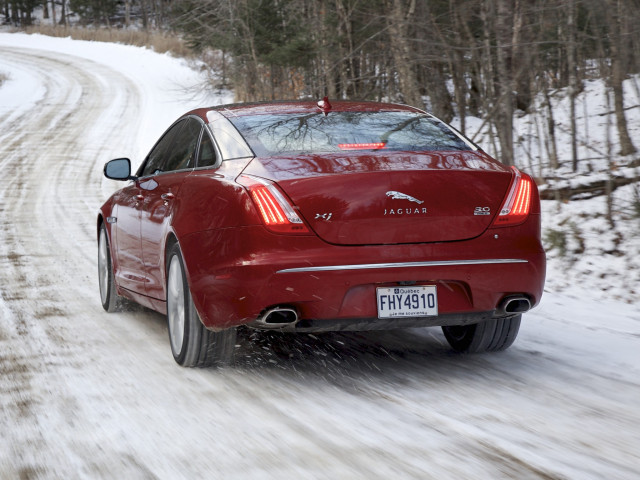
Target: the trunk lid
pixel 378 198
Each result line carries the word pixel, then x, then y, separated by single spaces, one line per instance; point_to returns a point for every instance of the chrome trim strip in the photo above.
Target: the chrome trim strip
pixel 370 266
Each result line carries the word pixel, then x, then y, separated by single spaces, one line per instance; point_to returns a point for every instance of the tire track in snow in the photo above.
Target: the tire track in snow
pixel 50 190
pixel 51 157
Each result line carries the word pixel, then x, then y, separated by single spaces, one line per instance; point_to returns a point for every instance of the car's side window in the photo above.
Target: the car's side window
pixel 158 153
pixel 182 153
pixel 207 153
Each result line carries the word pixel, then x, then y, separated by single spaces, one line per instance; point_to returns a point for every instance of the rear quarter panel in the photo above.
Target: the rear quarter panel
pixel 210 200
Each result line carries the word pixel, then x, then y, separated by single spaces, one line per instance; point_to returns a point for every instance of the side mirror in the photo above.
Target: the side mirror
pixel 118 169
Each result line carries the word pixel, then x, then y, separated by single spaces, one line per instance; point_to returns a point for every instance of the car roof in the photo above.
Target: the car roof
pixel 305 106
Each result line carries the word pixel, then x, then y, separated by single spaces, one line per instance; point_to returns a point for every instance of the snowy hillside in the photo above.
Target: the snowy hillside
pixel 586 253
pixel 584 248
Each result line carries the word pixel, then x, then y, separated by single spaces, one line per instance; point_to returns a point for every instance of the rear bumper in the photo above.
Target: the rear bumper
pixel 236 274
pixel 363 324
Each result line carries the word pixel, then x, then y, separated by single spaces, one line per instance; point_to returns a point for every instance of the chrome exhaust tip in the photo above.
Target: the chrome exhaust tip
pixel 277 317
pixel 514 305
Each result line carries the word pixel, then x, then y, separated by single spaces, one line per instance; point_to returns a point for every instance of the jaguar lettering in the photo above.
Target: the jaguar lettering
pixel 405 211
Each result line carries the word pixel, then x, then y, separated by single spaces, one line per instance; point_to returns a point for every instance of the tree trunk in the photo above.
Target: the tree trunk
pixel 438 92
pixel 350 77
pixel 326 60
pixel 54 20
pixel 504 35
pixel 145 14
pixel 551 127
pixel 63 13
pixel 609 181
pixel 617 75
pixel 398 22
pixel 573 80
pixel 127 13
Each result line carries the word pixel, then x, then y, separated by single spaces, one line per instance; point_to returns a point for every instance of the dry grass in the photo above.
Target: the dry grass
pixel 158 41
pixel 3 78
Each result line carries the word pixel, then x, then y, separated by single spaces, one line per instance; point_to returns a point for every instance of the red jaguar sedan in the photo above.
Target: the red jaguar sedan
pixel 314 217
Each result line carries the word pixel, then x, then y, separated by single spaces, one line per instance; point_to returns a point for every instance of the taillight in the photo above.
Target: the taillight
pixel 518 203
pixel 277 213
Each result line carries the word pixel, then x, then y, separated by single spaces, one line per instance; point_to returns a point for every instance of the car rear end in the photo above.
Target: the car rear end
pixel 369 216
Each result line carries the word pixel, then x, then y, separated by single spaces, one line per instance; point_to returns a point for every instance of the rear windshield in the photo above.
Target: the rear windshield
pixel 270 134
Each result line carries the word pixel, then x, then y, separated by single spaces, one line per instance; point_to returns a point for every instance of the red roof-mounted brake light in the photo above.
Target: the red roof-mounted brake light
pixel 517 205
pixel 275 210
pixel 362 146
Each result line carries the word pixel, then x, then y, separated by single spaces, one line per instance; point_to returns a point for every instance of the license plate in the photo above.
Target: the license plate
pixel 398 302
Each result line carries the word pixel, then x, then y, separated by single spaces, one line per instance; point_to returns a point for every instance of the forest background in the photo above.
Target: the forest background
pixel 485 58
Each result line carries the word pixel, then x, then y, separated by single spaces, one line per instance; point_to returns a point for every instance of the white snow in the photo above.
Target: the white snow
pixel 86 394
pixel 168 87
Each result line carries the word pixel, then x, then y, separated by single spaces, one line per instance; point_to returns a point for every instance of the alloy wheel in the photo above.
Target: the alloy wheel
pixel 176 304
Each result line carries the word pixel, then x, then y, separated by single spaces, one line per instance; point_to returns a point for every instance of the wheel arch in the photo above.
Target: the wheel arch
pixel 100 222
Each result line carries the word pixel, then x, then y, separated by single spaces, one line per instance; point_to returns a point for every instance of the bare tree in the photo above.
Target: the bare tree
pixel 573 78
pixel 400 14
pixel 618 30
pixel 505 30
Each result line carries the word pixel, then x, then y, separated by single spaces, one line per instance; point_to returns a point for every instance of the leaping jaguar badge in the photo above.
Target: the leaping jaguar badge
pixel 403 196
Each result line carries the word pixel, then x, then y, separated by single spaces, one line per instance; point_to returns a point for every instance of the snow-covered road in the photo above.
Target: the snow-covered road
pixel 86 394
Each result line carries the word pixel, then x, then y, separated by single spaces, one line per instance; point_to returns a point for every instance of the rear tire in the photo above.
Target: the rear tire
pixel 489 336
pixel 192 344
